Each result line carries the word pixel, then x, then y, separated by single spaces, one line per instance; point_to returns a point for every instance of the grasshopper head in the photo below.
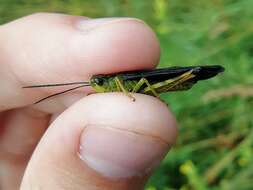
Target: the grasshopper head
pixel 98 83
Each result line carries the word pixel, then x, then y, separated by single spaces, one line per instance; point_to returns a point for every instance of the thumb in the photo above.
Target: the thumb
pixel 104 141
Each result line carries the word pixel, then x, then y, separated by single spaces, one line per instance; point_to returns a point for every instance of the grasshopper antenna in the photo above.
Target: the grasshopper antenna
pixel 56 94
pixel 56 84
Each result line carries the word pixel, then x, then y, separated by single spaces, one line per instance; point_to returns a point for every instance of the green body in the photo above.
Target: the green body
pixel 154 82
pixel 118 84
pixel 110 85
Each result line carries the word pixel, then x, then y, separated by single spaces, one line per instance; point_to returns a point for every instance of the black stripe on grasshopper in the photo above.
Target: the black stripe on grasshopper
pixel 152 82
pixel 158 75
pixel 158 80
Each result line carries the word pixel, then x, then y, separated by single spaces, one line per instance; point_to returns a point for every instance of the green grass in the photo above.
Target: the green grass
pixel 214 149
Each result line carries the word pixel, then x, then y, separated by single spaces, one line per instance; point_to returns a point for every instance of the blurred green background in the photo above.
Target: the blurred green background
pixel 214 149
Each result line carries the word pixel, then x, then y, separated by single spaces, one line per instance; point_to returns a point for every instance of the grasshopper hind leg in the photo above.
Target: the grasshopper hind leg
pixel 177 83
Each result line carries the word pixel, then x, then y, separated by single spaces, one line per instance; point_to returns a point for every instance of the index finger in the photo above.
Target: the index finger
pixel 52 48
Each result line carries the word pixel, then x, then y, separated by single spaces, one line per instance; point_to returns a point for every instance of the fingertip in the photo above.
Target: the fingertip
pixel 146 115
pixel 122 138
pixel 106 141
pixel 117 44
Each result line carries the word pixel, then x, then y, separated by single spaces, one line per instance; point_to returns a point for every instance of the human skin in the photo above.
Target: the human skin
pixel 73 141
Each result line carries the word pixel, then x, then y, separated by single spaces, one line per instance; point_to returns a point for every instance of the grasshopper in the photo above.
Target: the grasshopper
pixel 151 82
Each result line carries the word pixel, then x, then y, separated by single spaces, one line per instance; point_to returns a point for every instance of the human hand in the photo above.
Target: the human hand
pixel 103 141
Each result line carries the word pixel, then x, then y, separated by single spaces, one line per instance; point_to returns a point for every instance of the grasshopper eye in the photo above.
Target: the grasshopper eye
pixel 99 81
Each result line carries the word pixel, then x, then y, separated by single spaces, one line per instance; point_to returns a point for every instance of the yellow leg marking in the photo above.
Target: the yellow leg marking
pixel 173 82
pixel 184 77
pixel 121 87
pixel 143 81
pixel 117 85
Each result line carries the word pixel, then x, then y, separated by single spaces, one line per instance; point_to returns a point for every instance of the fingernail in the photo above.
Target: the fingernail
pixel 118 153
pixel 90 24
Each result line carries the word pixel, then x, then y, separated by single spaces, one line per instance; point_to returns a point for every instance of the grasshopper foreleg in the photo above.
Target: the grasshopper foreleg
pixel 121 87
